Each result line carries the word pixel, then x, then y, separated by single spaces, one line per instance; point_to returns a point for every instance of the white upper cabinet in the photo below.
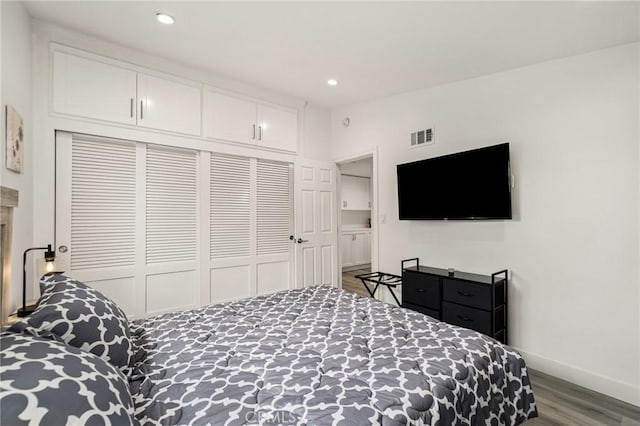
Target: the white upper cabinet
pixel 87 85
pixel 251 122
pixel 168 105
pixel 277 128
pixel 229 118
pixel 93 89
pixel 356 193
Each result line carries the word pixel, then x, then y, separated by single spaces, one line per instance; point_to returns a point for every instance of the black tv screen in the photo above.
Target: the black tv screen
pixel 471 185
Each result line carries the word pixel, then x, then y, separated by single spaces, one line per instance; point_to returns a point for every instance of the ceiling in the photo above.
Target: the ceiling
pixel 373 49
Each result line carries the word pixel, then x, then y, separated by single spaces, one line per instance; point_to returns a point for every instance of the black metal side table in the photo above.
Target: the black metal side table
pixel 381 278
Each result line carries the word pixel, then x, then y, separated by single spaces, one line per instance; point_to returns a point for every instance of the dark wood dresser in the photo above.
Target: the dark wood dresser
pixel 478 302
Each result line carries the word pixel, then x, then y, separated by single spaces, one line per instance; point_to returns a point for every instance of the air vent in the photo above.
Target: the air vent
pixel 422 138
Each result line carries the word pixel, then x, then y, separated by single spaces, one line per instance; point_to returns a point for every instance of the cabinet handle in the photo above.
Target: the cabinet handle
pixel 259 133
pixel 463 318
pixel 131 108
pixel 369 204
pixel 462 293
pixel 420 290
pixel 141 110
pixel 353 237
pixel 254 131
pixel 344 204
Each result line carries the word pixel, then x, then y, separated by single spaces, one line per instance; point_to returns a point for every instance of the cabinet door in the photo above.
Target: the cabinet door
pixel 93 89
pixel 360 249
pixel 348 190
pixel 277 128
pixel 168 105
pixel 367 247
pixel 347 249
pixel 230 118
pixel 363 193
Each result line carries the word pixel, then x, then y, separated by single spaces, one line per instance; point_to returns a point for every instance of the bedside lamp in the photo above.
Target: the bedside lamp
pixel 49 257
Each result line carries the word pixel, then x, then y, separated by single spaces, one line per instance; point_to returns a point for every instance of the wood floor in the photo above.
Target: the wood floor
pixel 559 402
pixel 563 403
pixel 353 284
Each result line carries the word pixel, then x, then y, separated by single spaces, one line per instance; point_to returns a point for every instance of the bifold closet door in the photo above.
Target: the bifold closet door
pixel 171 279
pixel 250 220
pixel 127 221
pixel 96 214
pixel 159 229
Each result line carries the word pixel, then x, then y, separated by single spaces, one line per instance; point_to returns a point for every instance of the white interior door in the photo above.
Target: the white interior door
pixel 316 224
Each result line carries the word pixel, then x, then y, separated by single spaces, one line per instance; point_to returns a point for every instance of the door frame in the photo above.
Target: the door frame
pixel 373 154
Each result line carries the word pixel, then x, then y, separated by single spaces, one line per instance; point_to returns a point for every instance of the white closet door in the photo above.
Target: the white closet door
pixel 96 218
pixel 232 229
pixel 171 237
pixel 274 208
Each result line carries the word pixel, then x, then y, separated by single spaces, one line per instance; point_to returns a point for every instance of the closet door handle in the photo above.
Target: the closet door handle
pixel 259 133
pixel 254 131
pixel 141 110
pixel 131 108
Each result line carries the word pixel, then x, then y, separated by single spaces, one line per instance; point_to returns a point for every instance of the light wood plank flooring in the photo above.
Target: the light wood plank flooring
pixel 563 403
pixel 353 284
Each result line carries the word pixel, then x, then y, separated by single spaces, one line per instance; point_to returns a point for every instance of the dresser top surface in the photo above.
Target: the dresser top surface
pixel 459 275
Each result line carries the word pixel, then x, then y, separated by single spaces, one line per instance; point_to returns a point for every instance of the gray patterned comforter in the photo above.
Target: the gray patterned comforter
pixel 321 356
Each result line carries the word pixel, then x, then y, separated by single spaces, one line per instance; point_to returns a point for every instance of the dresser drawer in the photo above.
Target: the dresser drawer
pixel 431 312
pixel 467 317
pixel 420 289
pixel 465 293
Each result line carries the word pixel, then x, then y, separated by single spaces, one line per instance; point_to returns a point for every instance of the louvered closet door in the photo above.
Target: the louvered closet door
pixel 250 209
pixel 231 227
pixel 96 217
pixel 274 223
pixel 171 229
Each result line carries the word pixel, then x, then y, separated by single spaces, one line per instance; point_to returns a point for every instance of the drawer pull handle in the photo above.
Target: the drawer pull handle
pixel 462 293
pixel 420 290
pixel 463 318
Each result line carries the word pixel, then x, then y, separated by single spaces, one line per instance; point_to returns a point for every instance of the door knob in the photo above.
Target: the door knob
pixel 300 241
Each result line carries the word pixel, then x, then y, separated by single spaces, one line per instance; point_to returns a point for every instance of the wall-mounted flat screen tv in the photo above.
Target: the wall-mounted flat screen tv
pixel 470 185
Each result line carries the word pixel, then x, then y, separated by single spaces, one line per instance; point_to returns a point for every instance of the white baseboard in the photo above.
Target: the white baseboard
pixel 623 391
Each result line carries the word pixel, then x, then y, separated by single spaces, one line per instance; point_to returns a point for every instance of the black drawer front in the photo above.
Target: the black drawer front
pixel 431 312
pixel 466 293
pixel 420 289
pixel 464 316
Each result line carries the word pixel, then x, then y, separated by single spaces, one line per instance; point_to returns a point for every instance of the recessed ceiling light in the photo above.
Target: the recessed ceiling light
pixel 332 82
pixel 165 19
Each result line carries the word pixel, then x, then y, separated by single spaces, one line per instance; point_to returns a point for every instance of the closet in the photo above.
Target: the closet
pixel 159 228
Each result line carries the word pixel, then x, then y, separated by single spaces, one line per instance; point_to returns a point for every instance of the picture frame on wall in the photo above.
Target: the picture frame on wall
pixel 14 140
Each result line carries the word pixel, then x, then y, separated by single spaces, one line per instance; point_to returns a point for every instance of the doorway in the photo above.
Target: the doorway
pixel 356 187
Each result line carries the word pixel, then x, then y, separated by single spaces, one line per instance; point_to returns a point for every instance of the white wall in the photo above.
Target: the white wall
pixel 572 246
pixel 317 133
pixel 16 91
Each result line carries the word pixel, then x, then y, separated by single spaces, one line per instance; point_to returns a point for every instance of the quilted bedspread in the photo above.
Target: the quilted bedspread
pixel 321 356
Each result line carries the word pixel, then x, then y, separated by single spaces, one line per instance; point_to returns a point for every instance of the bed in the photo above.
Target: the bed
pixel 315 356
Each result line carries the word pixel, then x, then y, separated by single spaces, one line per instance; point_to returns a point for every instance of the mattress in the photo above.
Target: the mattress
pixel 321 356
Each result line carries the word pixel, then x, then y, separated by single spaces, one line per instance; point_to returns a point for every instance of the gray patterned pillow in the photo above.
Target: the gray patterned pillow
pixel 50 383
pixel 81 316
